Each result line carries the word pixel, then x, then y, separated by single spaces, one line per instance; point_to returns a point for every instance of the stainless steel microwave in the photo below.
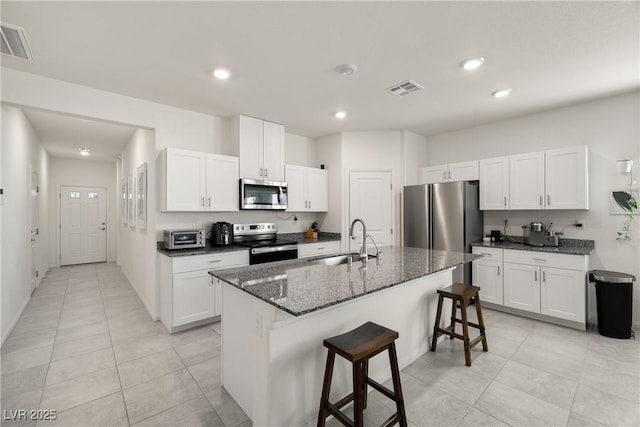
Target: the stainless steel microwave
pixel 255 194
pixel 183 239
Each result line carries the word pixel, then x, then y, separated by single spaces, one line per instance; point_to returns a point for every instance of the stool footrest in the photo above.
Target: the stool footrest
pixel 338 414
pixel 342 402
pixel 476 341
pixel 475 325
pixel 391 420
pixel 449 333
pixel 382 389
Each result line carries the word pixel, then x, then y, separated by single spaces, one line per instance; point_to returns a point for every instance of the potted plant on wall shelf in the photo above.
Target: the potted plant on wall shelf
pixel 627 200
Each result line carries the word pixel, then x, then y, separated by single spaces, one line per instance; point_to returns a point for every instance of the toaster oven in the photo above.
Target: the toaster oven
pixel 184 239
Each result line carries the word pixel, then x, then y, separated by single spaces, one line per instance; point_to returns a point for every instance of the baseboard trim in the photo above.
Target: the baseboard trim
pixel 13 323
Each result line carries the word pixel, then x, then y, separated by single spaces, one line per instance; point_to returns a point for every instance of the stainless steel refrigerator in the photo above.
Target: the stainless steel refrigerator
pixel 444 216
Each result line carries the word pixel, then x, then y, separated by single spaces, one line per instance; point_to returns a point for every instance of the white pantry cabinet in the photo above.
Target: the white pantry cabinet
pixel 487 274
pixel 307 189
pixel 261 148
pixel 463 171
pixel 306 250
pixel 189 295
pixel 494 183
pixel 192 181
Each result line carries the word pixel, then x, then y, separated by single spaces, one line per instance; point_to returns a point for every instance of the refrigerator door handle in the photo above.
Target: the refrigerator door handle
pixel 430 216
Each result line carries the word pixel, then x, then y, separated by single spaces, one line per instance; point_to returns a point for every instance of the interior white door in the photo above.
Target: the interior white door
pixel 83 225
pixel 35 230
pixel 370 200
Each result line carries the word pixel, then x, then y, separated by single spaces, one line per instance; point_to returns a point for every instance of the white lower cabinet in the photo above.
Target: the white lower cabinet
pixel 487 274
pixel 188 293
pixel 563 294
pixel 306 250
pixel 522 287
pixel 537 282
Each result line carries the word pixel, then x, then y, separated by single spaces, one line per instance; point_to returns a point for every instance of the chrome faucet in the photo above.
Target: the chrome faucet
pixel 363 250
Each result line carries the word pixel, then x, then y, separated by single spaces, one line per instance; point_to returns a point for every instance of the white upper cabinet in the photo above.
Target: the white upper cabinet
pixel 553 179
pixel 261 147
pixel 306 189
pixel 433 174
pixel 566 178
pixel 526 181
pixel 494 183
pixel 193 181
pixel 222 183
pixel 463 171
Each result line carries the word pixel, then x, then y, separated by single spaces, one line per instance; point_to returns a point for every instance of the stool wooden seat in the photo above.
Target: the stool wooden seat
pixel 461 294
pixel 358 346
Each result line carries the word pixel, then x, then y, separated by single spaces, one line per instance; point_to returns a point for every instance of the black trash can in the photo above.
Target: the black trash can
pixel 614 296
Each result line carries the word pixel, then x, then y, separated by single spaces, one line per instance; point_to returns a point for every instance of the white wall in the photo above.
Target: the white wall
pixel 609 127
pixel 81 172
pixel 138 245
pixel 300 151
pixel 21 151
pixel 414 150
pixel 329 153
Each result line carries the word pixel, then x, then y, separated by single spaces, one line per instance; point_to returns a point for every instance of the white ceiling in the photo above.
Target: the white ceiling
pixel 283 57
pixel 63 136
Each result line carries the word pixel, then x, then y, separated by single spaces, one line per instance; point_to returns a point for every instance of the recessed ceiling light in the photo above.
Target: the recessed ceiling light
pixel 221 73
pixel 340 114
pixel 347 69
pixel 502 93
pixel 472 63
pixel 84 151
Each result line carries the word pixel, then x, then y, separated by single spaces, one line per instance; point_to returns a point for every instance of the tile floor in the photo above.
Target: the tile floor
pixel 87 347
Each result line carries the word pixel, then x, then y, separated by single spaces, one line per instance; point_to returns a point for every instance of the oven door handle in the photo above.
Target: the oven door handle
pixel 258 251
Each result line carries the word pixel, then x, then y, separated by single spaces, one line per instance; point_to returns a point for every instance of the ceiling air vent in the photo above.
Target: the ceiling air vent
pixel 14 41
pixel 404 88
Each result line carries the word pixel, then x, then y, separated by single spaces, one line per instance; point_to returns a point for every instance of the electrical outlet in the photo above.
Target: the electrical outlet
pixel 579 223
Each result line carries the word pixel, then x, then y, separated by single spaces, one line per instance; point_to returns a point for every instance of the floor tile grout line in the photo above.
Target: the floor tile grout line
pixel 113 352
pixel 44 383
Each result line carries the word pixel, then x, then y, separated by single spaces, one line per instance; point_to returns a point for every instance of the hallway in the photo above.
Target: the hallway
pixel 86 347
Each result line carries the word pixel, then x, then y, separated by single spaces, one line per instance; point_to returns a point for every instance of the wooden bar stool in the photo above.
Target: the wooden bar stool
pixel 358 346
pixel 460 295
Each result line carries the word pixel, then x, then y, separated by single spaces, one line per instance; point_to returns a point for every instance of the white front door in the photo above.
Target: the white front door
pixel 83 225
pixel 370 200
pixel 35 231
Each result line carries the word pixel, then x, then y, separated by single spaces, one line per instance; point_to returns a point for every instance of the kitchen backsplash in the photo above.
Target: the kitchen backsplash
pixel 190 220
pixel 494 220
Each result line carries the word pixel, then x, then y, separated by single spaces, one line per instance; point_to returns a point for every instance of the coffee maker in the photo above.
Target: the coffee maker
pixel 222 234
pixel 537 234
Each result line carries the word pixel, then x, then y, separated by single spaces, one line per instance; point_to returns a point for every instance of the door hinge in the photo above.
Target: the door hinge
pixel 37 273
pixel 37 231
pixel 37 188
pixel 392 231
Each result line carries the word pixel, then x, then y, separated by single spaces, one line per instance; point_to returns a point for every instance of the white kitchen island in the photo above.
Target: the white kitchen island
pixel 275 317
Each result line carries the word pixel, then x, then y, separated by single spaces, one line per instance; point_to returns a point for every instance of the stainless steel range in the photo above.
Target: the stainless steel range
pixel 264 243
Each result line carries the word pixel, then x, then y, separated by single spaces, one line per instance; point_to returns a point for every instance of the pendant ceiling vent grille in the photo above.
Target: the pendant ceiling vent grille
pixel 14 42
pixel 404 88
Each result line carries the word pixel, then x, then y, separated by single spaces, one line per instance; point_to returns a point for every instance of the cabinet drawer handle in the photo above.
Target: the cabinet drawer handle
pixel 320 249
pixel 444 174
pixel 484 253
pixel 266 172
pixel 535 276
pixel 540 200
pixel 540 259
pixel 260 172
pixel 449 175
pixel 548 200
pixel 544 277
pixel 505 201
pixel 209 201
pixel 203 202
pixel 498 270
pixel 215 260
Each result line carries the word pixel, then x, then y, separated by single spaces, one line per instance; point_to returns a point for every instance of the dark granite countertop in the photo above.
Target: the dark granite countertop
pixel 303 286
pixel 299 237
pixel 199 251
pixel 565 246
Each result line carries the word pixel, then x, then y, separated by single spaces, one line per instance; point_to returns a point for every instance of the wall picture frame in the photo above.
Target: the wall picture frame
pixel 131 220
pixel 141 196
pixel 124 203
pixel 618 201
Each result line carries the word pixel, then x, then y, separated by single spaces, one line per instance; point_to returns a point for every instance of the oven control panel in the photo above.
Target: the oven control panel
pixel 250 229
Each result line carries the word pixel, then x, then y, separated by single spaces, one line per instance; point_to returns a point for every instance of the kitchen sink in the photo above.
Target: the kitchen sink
pixel 338 259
